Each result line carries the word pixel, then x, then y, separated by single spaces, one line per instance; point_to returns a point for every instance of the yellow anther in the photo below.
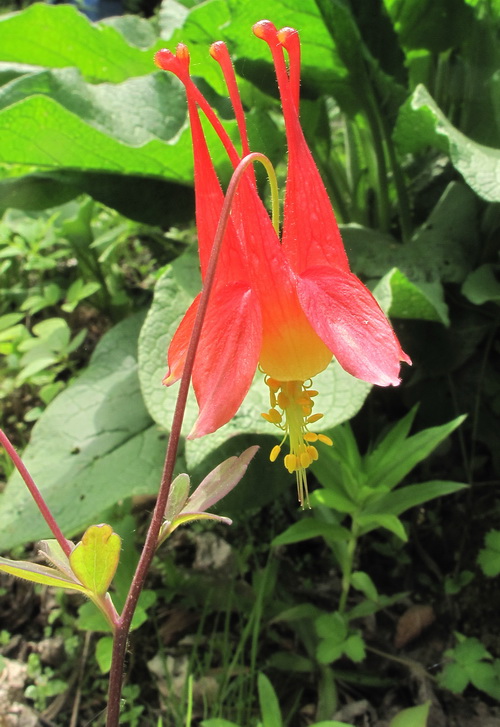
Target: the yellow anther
pixel 290 462
pixel 311 392
pixel 305 459
pixel 310 436
pixel 312 452
pixel 272 398
pixel 326 440
pixel 314 418
pixel 306 410
pixel 273 416
pixel 283 400
pixel 275 453
pixel 273 383
pixel 303 400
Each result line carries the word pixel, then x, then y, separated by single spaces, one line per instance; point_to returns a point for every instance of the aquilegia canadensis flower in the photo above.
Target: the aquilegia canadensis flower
pixel 287 306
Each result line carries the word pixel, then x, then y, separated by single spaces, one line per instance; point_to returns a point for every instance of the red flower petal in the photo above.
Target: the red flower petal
pixel 310 232
pixel 346 316
pixel 179 344
pixel 227 355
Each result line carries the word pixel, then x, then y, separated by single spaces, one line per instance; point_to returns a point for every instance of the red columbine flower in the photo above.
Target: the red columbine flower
pixel 286 305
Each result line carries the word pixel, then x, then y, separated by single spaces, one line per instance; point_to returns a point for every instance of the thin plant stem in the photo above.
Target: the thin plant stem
pixel 346 575
pixel 414 666
pixel 36 494
pixel 150 544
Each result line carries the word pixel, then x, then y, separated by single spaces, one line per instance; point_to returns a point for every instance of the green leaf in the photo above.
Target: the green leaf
pixel 453 584
pixel 39 574
pixel 177 496
pixel 94 445
pixel 322 68
pixel 469 651
pixel 268 701
pixel 297 613
pixel 290 662
pixel 334 500
pixel 219 482
pixel 482 285
pixel 95 558
pixel 489 557
pixel 331 625
pixel 103 653
pixel 310 528
pixel 404 498
pixel 391 441
pixel 354 648
pixel 412 717
pixel 454 678
pixel 443 249
pixel 53 137
pixel 422 123
pixel 218 722
pixel 70 39
pixel 329 651
pixel 133 112
pixel 408 454
pixel 421 301
pixel 382 520
pixel 362 582
pixel 427 24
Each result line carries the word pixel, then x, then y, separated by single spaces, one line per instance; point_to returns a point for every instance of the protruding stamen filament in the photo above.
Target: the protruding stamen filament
pixel 291 406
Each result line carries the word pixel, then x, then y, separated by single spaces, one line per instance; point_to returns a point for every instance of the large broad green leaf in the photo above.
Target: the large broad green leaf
pixel 442 249
pixel 328 56
pixel 422 301
pixel 60 36
pixel 321 63
pixel 94 445
pixel 341 396
pixel 40 132
pixel 133 112
pixel 421 123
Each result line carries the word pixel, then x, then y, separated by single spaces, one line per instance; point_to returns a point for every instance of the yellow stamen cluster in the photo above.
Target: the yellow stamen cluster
pixel 292 403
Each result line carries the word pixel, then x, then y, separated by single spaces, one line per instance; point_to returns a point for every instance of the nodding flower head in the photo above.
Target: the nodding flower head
pixel 286 305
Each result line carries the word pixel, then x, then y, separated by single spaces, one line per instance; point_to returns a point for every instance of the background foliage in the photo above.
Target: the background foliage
pixel 401 107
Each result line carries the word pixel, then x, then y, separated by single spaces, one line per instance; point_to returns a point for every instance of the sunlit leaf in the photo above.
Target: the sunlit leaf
pixel 95 558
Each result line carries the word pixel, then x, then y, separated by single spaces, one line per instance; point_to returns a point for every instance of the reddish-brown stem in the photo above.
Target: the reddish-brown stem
pixel 150 544
pixel 35 493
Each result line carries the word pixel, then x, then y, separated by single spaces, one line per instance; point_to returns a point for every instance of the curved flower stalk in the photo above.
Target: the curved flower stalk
pixel 286 305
